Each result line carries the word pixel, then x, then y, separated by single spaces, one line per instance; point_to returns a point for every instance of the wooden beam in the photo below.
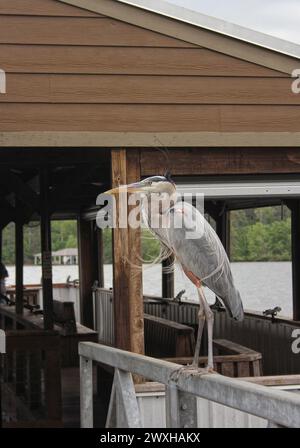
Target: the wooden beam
pixel 86 271
pixel 70 185
pixel 101 139
pixel 128 303
pixel 167 279
pixel 8 214
pixel 295 233
pixel 21 189
pixel 216 161
pixel 19 252
pixel 46 250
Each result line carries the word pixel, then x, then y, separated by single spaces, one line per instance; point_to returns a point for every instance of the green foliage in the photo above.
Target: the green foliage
pixel 256 235
pixel 261 234
pixel 64 234
pixel 150 246
pixel 107 246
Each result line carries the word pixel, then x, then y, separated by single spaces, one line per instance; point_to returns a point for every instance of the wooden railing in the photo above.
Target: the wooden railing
pixel 183 386
pixel 31 380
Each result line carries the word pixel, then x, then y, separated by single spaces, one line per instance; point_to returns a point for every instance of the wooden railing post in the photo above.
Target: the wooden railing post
pixel 168 278
pixel 46 249
pixel 86 392
pixel 127 269
pixel 86 271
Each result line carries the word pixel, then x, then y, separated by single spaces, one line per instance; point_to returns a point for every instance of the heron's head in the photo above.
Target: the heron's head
pixel 150 185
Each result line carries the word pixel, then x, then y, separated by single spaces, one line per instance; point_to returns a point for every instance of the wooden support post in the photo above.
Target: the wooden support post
pixel 20 357
pixel 167 278
pixel 98 249
pixel 128 291
pixel 19 251
pixel 295 232
pixel 86 270
pixel 46 250
pixel 100 258
pixel 223 229
pixel 1 243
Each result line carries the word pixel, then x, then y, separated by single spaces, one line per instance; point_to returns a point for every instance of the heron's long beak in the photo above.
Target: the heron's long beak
pixel 136 187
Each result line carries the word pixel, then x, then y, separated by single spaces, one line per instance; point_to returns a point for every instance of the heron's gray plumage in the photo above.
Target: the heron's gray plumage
pixel 204 255
pixel 184 231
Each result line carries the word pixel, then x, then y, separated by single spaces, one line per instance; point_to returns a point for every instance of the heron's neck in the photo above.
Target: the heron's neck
pixel 155 210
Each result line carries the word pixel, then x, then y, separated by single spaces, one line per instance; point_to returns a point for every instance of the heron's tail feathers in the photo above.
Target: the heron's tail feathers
pixel 234 305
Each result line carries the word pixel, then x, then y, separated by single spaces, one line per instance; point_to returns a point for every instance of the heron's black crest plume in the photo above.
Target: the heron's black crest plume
pixel 167 175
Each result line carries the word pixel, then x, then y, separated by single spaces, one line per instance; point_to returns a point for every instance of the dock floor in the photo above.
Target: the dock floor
pixel 71 399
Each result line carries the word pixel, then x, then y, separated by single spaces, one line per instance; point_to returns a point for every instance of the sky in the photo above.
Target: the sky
pixel 280 18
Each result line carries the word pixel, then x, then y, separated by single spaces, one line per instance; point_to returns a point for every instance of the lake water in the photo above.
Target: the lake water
pixel 262 284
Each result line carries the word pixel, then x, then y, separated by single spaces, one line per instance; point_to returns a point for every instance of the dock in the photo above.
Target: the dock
pixel 94 95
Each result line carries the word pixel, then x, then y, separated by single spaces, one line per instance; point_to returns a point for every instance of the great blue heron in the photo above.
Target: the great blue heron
pixel 202 257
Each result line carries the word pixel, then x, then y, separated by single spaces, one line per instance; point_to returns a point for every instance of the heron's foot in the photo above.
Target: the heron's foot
pixel 193 370
pixel 206 370
pixel 194 367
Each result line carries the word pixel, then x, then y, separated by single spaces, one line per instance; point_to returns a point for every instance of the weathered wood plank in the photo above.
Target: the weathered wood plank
pixel 227 369
pixel 128 304
pixel 257 370
pixel 148 118
pixel 126 60
pixel 79 31
pixel 243 369
pixel 46 88
pixel 223 161
pixel 120 250
pixel 42 8
pixel 135 277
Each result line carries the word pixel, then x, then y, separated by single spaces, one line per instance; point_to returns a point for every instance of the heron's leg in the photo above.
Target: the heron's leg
pixel 201 321
pixel 209 315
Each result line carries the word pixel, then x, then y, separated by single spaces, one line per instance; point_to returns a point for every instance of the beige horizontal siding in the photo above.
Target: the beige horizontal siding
pixel 70 70
pixel 42 8
pixel 79 31
pixel 129 60
pixel 148 118
pixel 147 89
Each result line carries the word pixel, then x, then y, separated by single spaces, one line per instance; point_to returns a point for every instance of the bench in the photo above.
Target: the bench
pixel 71 332
pixel 165 338
pixel 230 359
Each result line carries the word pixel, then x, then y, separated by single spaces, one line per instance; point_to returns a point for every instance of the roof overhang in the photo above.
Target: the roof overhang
pixel 217 25
pixel 196 28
